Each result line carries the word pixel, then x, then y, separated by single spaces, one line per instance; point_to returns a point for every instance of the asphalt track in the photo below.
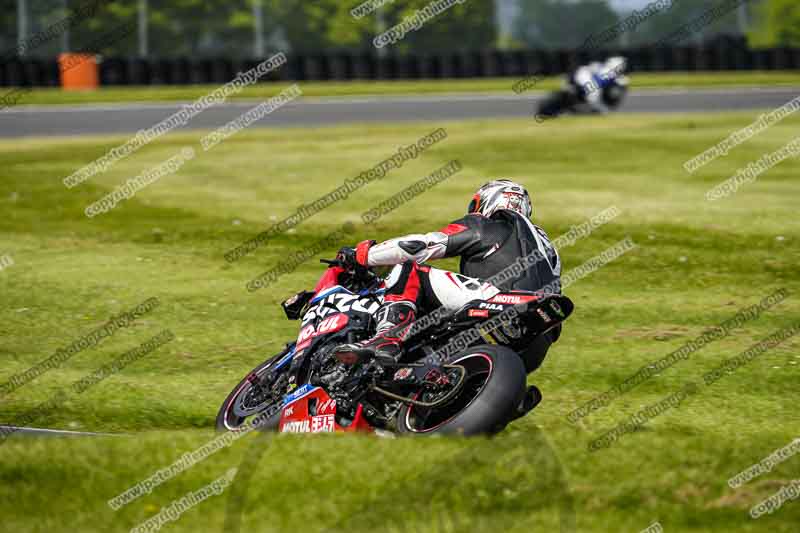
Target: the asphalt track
pixel 43 432
pixel 25 121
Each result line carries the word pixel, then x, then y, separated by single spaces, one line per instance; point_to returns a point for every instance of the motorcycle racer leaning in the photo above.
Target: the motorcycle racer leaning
pixel 496 231
pixel 594 81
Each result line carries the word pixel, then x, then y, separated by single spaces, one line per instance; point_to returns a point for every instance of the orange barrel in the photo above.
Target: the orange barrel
pixel 78 71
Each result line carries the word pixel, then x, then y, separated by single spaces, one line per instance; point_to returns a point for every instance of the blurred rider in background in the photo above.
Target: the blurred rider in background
pixel 601 85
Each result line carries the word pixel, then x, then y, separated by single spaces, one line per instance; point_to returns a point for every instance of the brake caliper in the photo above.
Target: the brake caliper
pixel 435 376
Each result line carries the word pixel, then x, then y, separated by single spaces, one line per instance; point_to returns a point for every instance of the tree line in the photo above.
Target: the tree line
pixel 226 28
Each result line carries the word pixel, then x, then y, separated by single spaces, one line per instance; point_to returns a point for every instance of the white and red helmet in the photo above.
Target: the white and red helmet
pixel 501 194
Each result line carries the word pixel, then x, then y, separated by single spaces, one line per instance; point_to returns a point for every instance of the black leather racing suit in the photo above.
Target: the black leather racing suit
pixel 487 246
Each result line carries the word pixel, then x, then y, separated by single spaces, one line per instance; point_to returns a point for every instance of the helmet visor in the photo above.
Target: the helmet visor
pixel 474 205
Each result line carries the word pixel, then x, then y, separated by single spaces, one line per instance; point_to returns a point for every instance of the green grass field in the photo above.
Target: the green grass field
pixel 696 264
pixel 648 80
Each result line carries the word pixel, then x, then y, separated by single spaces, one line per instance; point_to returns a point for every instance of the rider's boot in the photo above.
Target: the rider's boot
pixel 393 322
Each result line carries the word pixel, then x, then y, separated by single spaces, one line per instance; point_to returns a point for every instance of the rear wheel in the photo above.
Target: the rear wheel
pixel 250 398
pixel 555 104
pixel 493 388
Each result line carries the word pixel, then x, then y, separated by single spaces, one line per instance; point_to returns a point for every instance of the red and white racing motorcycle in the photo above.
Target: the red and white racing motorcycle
pixel 461 375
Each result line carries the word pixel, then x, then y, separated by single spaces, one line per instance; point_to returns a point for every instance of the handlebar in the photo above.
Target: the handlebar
pixel 363 276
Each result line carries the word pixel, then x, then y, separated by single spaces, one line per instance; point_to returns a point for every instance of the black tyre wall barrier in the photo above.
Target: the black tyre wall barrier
pixel 727 55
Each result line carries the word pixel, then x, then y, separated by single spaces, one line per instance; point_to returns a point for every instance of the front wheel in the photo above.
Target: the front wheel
pixel 249 398
pixel 614 95
pixel 493 389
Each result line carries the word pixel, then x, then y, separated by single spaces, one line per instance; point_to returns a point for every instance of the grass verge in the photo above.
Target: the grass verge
pixel 677 80
pixel 696 264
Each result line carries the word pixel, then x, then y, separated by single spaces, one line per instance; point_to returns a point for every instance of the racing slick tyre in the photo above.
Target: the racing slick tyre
pixel 614 95
pixel 494 387
pixel 240 402
pixel 554 105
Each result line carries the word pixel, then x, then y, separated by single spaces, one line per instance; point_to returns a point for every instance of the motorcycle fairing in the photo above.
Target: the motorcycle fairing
pixel 310 409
